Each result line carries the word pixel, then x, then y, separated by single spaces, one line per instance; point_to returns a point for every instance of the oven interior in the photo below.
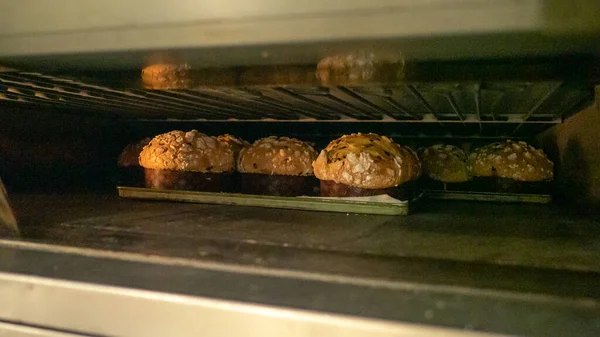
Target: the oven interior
pixel 451 267
pixel 61 137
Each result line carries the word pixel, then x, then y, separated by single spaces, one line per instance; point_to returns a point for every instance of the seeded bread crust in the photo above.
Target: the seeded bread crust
pixel 278 156
pixel 187 151
pixel 513 160
pixel 367 161
pixel 445 163
pixel 237 144
pixel 131 153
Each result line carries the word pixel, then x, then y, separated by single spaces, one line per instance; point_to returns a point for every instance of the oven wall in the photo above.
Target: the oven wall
pixel 575 148
pixel 49 149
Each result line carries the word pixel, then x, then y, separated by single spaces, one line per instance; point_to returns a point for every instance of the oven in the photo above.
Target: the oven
pixel 80 257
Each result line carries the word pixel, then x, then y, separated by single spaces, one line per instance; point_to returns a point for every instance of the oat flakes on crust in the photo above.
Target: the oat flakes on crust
pixel 445 163
pixel 279 156
pixel 367 161
pixel 510 159
pixel 188 151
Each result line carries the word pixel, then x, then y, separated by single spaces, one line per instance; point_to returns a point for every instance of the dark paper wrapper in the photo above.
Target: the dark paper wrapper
pixel 279 185
pixel 432 184
pixel 506 185
pixel 190 181
pixel 492 185
pixel 407 191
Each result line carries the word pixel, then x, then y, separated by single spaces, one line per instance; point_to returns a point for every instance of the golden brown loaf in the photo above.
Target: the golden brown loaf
pixel 237 144
pixel 514 160
pixel 361 67
pixel 187 151
pixel 278 155
pixel 367 161
pixel 131 154
pixel 167 76
pixel 446 163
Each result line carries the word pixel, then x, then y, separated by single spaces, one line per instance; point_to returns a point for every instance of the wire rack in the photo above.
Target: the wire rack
pixel 480 102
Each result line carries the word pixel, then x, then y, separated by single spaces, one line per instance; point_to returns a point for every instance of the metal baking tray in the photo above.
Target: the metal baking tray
pixel 381 205
pixel 490 196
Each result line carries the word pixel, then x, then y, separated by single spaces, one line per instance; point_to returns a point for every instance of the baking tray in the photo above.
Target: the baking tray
pixel 382 205
pixel 490 196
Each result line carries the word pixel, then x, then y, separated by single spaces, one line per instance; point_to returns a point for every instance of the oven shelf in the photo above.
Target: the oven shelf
pixel 468 256
pixel 515 107
pixel 540 236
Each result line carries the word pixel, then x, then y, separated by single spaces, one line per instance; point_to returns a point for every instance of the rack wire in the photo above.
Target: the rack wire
pixel 464 102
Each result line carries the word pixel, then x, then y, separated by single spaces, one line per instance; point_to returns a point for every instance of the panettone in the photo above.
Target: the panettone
pixel 278 156
pixel 278 166
pixel 367 161
pixel 187 151
pixel 445 163
pixel 514 160
pixel 237 144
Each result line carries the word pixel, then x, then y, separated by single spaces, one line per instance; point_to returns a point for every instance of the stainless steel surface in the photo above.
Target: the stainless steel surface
pixel 134 295
pixel 20 330
pixel 519 235
pixel 153 313
pixel 8 223
pixel 88 15
pixel 473 106
pixel 208 32
pixel 455 265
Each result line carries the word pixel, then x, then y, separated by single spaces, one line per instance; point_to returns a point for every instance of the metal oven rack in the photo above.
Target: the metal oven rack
pixel 492 108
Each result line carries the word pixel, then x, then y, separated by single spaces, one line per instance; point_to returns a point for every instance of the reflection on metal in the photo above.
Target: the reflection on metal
pixel 8 223
pixel 20 330
pixel 450 265
pixel 134 295
pixel 431 28
pixel 128 306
